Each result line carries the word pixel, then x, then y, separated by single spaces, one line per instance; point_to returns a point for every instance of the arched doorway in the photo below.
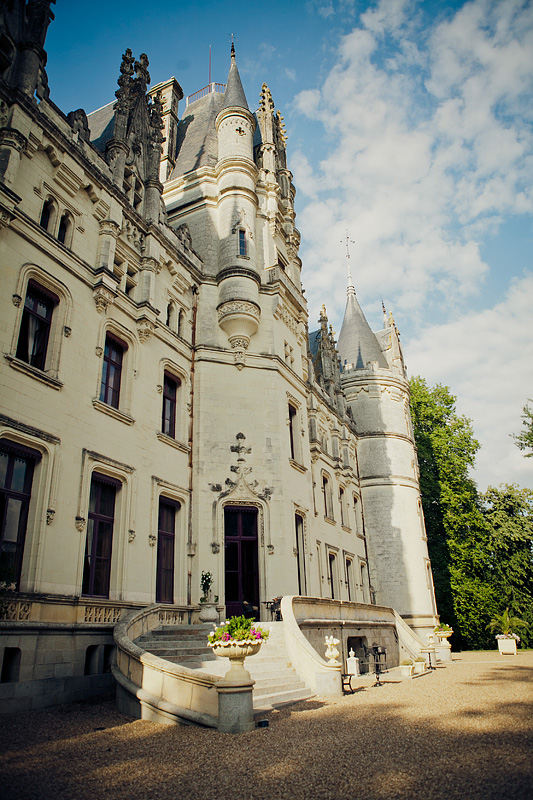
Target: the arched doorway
pixel 241 561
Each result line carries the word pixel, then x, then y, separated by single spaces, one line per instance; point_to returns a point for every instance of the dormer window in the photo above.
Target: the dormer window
pixel 242 242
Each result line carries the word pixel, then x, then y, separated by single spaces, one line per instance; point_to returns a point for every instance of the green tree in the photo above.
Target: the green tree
pixel 458 536
pixel 508 511
pixel 524 440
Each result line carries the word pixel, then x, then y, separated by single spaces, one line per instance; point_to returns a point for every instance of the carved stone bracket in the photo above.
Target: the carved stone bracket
pixel 152 539
pixel 17 300
pixel 145 329
pixel 50 513
pixel 215 547
pixel 270 549
pixel 67 331
pixel 102 298
pixel 131 536
pixel 80 524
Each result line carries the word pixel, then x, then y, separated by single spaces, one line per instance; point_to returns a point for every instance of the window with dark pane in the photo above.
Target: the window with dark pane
pixel 16 476
pixel 112 371
pixel 170 393
pixel 100 523
pixel 35 326
pixel 166 540
pixel 242 242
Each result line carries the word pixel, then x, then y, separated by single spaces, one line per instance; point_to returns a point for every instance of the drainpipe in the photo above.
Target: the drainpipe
pixel 190 443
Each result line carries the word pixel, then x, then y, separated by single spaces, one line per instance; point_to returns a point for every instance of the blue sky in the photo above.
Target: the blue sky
pixel 410 126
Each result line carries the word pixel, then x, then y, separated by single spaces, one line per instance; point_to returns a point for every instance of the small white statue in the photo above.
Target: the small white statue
pixel 332 653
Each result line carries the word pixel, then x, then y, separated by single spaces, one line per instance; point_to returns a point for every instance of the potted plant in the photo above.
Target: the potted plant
pixel 443 630
pixel 208 612
pixel 406 667
pixel 236 639
pixel 420 665
pixel 506 638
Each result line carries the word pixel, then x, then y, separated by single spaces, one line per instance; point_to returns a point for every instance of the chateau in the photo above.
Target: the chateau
pixel 165 410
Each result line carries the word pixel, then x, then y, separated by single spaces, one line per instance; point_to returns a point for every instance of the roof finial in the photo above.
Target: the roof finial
pixel 385 325
pixel 351 289
pixel 232 45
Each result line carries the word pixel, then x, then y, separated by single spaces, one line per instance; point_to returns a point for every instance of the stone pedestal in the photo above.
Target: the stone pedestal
pixel 235 706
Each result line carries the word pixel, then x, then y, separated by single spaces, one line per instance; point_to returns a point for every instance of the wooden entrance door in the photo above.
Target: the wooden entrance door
pixel 241 561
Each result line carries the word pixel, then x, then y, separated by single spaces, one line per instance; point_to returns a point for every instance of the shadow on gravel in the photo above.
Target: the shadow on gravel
pixel 392 744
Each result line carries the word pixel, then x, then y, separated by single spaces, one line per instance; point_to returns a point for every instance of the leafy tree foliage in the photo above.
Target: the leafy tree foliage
pixel 524 440
pixel 508 512
pixel 455 525
pixel 480 545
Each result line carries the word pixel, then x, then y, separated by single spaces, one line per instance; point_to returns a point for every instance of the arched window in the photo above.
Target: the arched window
pixel 64 234
pixel 112 371
pixel 242 242
pixel 99 543
pixel 171 385
pixel 48 215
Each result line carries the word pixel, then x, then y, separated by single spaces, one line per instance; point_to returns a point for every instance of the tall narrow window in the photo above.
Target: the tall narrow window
pixel 300 554
pixel 166 538
pixel 349 579
pixel 65 229
pixel 365 584
pixel 170 392
pixel 112 371
pixel 293 432
pixel 326 491
pixel 342 507
pixel 16 475
pixel 100 522
pixel 332 565
pixel 242 242
pixel 47 214
pixel 35 327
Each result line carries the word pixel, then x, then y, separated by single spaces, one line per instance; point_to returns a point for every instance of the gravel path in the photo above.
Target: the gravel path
pixel 464 731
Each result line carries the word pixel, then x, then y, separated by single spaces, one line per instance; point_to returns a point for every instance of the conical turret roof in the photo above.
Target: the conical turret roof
pixel 234 95
pixel 357 343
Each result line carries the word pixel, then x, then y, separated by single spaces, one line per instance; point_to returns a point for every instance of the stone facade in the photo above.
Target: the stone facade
pixel 163 410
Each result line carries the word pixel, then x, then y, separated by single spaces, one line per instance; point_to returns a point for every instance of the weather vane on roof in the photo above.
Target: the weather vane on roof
pixel 347 240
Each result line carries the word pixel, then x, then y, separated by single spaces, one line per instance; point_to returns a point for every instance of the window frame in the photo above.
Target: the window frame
pixel 169 402
pixel 110 368
pixel 40 296
pixel 169 537
pixel 99 520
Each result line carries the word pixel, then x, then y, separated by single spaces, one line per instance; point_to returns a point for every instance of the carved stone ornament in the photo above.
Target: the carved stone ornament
pixel 270 549
pixel 215 547
pixel 131 536
pixel 102 298
pixel 145 328
pixel 99 351
pixel 152 539
pixel 238 307
pixel 17 300
pixel 184 235
pixel 50 513
pixel 80 524
pixel 67 331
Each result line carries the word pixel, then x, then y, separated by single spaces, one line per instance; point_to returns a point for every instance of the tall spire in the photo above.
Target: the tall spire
pixel 234 96
pixel 357 343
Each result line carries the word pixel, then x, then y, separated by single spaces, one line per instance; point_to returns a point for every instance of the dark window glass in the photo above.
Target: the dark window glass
pixel 349 578
pixel 332 573
pixel 97 565
pixel 241 561
pixel 292 430
pixel 170 391
pixel 46 214
pixel 112 372
pixel 35 326
pixel 166 537
pixel 64 226
pixel 325 491
pixel 16 475
pixel 242 242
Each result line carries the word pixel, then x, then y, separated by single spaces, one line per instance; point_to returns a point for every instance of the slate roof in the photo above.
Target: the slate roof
pixel 357 343
pixel 234 95
pixel 101 125
pixel 197 138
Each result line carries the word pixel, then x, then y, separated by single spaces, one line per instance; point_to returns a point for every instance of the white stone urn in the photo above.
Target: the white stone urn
pixel 332 654
pixel 236 652
pixel 208 612
pixel 507 647
pixel 406 670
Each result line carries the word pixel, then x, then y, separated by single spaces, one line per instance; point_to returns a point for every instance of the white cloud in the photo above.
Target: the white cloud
pixel 485 358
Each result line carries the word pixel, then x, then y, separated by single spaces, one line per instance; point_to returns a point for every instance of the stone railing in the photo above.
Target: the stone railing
pixel 149 687
pixel 321 676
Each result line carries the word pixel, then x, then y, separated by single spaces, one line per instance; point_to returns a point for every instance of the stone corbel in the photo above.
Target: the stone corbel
pixel 103 296
pixel 152 539
pixel 80 524
pixel 50 513
pixel 145 328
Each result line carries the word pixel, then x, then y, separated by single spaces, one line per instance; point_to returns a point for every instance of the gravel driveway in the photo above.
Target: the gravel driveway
pixel 463 731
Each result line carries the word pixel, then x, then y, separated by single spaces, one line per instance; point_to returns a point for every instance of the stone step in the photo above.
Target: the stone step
pixel 274 700
pixel 261 690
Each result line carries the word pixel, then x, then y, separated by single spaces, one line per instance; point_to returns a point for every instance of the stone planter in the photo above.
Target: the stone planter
pixel 236 652
pixel 419 667
pixel 208 612
pixel 407 670
pixel 507 647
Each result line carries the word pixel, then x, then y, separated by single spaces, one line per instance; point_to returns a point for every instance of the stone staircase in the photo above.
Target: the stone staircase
pixel 276 682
